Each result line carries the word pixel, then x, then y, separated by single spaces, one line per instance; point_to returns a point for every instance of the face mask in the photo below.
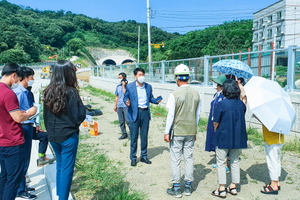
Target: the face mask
pixel 141 79
pixel 15 85
pixel 120 80
pixel 30 83
pixel 215 85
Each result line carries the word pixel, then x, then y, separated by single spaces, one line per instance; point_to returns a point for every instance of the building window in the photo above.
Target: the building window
pixel 279 16
pixel 261 35
pixel 269 33
pixel 278 44
pixel 270 19
pixel 278 30
pixel 255 25
pixel 255 48
pixel 255 37
pixel 261 22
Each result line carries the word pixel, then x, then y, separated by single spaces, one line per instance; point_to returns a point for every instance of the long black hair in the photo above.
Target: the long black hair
pixel 63 77
pixel 231 89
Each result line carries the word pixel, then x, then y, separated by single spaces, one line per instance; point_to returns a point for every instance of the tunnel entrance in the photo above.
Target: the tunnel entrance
pixel 109 62
pixel 127 61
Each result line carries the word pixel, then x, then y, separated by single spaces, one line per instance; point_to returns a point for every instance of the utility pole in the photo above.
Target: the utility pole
pixel 139 37
pixel 149 39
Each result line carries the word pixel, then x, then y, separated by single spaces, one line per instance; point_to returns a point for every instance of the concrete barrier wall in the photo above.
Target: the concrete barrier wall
pixel 206 96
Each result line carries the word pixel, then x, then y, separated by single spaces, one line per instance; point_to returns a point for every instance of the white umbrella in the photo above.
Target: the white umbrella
pixel 270 104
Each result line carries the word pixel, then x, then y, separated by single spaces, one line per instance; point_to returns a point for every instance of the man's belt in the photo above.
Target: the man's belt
pixel 27 124
pixel 143 108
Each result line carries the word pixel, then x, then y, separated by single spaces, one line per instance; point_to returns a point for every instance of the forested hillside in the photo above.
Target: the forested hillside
pixel 29 35
pixel 217 40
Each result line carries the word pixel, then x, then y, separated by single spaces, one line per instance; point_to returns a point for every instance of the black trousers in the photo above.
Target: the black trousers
pixel 43 138
pixel 141 125
pixel 12 170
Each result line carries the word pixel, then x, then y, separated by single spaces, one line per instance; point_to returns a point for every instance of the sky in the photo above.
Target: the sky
pixel 179 16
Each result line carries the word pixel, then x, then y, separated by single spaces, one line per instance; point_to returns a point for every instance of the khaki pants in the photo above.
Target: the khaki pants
pixel 182 145
pixel 234 165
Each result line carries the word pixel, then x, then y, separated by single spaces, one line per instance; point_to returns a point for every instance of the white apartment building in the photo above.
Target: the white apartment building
pixel 280 22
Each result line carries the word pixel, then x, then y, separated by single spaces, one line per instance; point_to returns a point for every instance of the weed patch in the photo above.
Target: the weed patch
pixel 293 146
pixel 255 136
pixel 96 92
pixel 158 111
pixel 116 122
pixel 203 124
pixel 97 177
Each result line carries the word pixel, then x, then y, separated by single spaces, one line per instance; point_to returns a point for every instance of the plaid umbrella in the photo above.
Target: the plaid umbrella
pixel 234 67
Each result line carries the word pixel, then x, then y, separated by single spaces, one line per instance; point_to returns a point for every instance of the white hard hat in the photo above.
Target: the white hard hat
pixel 182 70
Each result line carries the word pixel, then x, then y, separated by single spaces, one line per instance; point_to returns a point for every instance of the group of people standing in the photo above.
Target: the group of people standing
pixel 63 114
pixel 226 129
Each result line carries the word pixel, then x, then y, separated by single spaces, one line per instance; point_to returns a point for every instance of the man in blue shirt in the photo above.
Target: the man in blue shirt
pixel 138 97
pixel 27 126
pixel 119 105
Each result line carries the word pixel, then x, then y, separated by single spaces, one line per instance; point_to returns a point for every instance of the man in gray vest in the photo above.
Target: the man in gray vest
pixel 181 129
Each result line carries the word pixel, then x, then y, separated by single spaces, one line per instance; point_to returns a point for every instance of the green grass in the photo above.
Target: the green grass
pixel 158 111
pixel 96 92
pixel 292 146
pixel 255 136
pixel 84 136
pixel 97 177
pixel 116 122
pixel 203 124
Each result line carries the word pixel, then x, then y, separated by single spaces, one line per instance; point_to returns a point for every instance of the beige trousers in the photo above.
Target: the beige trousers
pixel 234 165
pixel 182 145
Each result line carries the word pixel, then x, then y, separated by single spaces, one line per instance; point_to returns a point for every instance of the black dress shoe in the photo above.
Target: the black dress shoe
pixel 123 136
pixel 133 162
pixel 146 160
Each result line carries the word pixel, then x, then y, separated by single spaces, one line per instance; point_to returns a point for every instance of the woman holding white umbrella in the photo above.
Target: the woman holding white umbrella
pixel 272 106
pixel 273 144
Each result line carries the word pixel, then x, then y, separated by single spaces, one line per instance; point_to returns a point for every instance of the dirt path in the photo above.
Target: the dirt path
pixel 154 179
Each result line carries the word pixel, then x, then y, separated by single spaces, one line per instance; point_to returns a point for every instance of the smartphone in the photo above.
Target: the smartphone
pixel 159 98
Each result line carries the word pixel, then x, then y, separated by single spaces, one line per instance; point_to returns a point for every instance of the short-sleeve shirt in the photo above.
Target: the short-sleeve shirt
pixel 231 133
pixel 23 98
pixel 120 94
pixel 11 133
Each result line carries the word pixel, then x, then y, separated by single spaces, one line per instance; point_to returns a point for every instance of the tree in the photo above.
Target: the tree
pixel 14 56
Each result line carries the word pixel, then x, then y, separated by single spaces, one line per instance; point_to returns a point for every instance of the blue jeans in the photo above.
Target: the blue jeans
pixel 12 165
pixel 28 134
pixel 65 160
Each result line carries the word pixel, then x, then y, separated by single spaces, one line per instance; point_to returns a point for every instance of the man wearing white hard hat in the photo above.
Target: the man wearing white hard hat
pixel 181 128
